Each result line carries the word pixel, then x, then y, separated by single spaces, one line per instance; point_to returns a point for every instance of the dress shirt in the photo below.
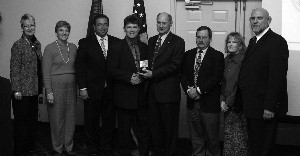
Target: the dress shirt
pixel 163 37
pixel 202 56
pixel 105 40
pixel 261 34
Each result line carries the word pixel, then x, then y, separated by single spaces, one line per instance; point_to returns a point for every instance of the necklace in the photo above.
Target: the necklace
pixel 68 54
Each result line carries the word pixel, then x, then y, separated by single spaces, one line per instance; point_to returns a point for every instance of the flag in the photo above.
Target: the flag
pixel 139 11
pixel 96 9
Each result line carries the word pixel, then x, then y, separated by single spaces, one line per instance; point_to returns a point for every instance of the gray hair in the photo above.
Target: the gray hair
pixel 26 17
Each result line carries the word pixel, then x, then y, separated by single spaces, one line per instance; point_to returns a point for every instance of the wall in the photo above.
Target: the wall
pixel 285 21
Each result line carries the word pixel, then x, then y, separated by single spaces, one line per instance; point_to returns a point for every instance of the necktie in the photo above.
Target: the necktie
pixel 136 56
pixel 156 49
pixel 103 47
pixel 197 66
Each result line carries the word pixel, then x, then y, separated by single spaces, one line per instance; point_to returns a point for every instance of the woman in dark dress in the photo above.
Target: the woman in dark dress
pixel 235 127
pixel 26 82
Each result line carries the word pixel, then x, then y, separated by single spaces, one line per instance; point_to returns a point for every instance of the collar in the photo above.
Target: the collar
pixel 261 34
pixel 203 51
pixel 129 41
pixel 238 57
pixel 163 37
pixel 99 38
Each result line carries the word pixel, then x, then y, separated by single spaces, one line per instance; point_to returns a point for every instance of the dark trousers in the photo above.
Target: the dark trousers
pixel 164 118
pixel 204 131
pixel 92 111
pixel 262 137
pixel 25 117
pixel 136 119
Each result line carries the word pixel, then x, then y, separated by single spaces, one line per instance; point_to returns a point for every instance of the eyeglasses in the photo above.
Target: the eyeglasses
pixel 28 26
pixel 102 25
pixel 202 37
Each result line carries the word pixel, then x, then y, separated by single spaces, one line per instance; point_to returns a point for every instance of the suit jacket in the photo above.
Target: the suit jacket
pixel 208 81
pixel 24 67
pixel 263 82
pixel 165 74
pixel 91 66
pixel 121 66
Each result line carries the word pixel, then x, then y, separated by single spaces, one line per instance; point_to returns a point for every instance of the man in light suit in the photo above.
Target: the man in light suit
pixel 96 87
pixel 123 66
pixel 263 83
pixel 163 89
pixel 201 74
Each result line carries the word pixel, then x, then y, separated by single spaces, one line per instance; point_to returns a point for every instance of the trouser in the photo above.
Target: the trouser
pixel 25 117
pixel 262 137
pixel 164 120
pixel 62 115
pixel 204 131
pixel 137 119
pixel 92 111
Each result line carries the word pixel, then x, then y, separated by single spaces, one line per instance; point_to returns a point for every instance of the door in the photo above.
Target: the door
pixel 222 17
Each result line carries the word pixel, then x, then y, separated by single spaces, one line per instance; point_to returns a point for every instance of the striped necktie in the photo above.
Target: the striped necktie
pixel 156 49
pixel 103 47
pixel 197 66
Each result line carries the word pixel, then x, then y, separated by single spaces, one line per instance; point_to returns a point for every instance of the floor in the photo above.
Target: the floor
pixel 183 144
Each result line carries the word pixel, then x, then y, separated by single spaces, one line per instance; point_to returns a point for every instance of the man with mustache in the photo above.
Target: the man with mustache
pixel 201 74
pixel 263 83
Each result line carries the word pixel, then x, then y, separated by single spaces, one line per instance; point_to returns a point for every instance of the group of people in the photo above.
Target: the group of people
pixel 139 83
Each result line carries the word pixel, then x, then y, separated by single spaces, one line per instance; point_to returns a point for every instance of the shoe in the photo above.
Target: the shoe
pixel 135 152
pixel 57 154
pixel 70 153
pixel 150 153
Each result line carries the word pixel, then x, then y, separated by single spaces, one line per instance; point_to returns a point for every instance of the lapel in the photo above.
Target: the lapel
pixel 167 41
pixel 257 45
pixel 128 54
pixel 206 58
pixel 191 60
pixel 97 48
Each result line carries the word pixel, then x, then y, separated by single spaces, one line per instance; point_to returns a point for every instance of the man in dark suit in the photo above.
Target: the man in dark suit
pixel 201 74
pixel 263 83
pixel 123 66
pixel 96 87
pixel 165 52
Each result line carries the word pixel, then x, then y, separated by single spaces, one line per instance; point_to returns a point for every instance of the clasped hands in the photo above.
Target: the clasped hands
pixel 146 73
pixel 192 93
pixel 135 79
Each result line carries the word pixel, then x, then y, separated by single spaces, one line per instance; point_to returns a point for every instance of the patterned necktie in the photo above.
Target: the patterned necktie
pixel 103 47
pixel 197 66
pixel 156 49
pixel 136 56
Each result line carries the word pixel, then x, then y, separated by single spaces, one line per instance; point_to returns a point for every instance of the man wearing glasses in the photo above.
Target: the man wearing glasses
pixel 201 74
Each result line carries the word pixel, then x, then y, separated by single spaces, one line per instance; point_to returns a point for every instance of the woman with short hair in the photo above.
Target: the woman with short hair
pixel 59 81
pixel 26 82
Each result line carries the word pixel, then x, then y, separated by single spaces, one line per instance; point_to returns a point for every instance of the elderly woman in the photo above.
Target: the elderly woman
pixel 25 74
pixel 59 81
pixel 235 130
